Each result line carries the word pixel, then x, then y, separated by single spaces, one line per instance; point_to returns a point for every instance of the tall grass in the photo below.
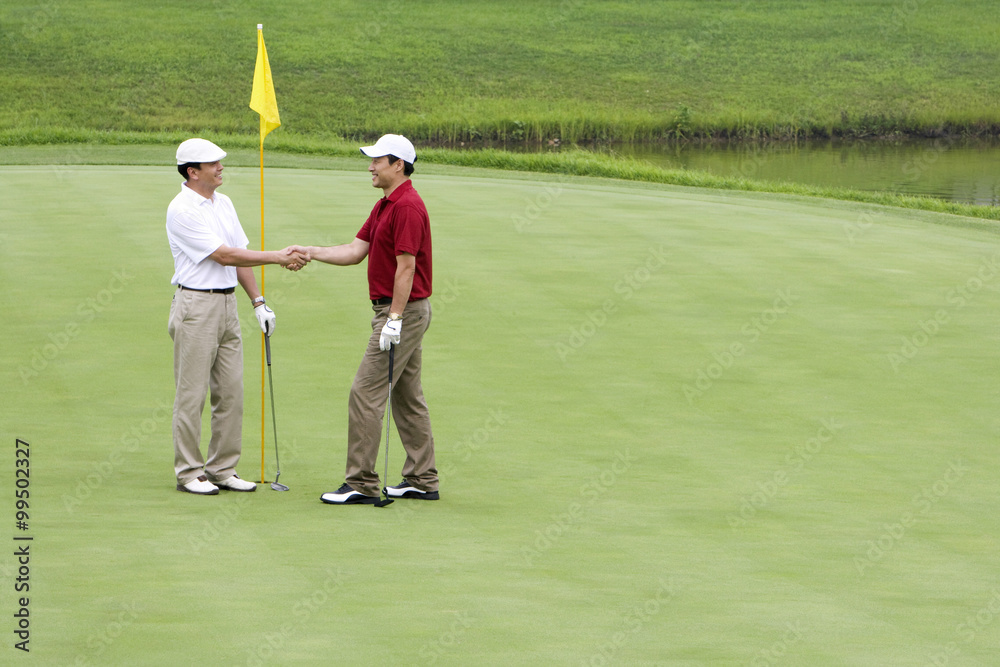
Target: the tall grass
pixel 518 71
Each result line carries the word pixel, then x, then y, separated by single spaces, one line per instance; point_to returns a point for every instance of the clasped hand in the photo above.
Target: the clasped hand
pixel 296 257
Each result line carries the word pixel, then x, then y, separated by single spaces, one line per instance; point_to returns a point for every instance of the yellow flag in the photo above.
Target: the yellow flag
pixel 262 99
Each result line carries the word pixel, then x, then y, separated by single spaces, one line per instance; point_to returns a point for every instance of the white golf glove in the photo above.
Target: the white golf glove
pixel 390 334
pixel 266 318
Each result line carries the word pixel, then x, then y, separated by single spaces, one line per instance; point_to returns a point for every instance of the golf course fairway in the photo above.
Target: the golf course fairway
pixel 674 426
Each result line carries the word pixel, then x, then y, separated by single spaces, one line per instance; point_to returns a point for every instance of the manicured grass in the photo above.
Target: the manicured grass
pixel 578 70
pixel 674 426
pixel 122 149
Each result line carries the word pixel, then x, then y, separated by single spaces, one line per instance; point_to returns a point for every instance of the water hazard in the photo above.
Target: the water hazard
pixel 958 170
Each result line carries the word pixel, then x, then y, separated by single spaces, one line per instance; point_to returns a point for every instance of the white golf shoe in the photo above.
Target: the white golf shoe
pixel 234 483
pixel 406 490
pixel 199 486
pixel 345 495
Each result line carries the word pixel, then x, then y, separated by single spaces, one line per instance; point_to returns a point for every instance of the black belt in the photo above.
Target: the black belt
pixel 387 301
pixel 228 290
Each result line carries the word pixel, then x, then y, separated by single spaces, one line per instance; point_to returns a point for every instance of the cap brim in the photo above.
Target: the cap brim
pixel 208 157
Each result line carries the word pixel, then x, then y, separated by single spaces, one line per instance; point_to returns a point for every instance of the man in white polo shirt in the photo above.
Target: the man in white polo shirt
pixel 210 257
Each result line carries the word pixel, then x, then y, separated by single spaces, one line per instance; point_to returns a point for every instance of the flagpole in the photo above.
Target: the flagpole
pixel 263 479
pixel 262 100
pixel 262 334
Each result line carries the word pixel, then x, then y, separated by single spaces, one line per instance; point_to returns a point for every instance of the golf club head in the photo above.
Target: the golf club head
pixel 383 502
pixel 276 486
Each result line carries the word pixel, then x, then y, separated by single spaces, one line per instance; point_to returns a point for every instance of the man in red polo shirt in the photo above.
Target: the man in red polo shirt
pixel 396 239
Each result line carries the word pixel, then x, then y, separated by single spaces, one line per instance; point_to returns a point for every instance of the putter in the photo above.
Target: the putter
pixel 388 413
pixel 270 383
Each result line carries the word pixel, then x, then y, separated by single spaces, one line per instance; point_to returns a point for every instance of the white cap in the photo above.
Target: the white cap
pixel 392 144
pixel 199 150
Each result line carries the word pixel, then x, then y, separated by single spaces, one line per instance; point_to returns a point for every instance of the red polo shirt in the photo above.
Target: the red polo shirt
pixel 398 224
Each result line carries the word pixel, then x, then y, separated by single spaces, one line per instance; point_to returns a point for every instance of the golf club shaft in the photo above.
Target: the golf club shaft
pixel 388 417
pixel 270 384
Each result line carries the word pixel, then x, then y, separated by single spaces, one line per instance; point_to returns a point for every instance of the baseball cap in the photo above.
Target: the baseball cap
pixel 199 150
pixel 392 144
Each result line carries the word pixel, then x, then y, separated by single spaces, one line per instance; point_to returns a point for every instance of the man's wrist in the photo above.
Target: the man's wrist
pixel 259 301
pixel 395 316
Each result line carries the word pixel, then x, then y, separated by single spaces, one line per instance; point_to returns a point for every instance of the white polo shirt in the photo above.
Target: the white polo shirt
pixel 197 227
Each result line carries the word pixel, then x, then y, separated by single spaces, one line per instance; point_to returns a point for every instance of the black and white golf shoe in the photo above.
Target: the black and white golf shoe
pixel 345 495
pixel 405 490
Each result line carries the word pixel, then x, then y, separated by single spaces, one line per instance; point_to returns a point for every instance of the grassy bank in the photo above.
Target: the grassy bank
pixel 81 147
pixel 517 71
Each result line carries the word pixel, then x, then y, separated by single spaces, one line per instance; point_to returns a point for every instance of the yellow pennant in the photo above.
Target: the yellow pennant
pixel 262 99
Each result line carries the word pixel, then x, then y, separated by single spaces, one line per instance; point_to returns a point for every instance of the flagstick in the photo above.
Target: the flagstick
pixel 263 102
pixel 262 334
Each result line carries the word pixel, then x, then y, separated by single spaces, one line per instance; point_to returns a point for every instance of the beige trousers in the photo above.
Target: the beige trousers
pixel 366 406
pixel 208 358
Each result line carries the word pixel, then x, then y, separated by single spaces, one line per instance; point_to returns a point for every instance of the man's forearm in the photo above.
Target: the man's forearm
pixel 402 283
pixel 248 281
pixel 340 255
pixel 241 257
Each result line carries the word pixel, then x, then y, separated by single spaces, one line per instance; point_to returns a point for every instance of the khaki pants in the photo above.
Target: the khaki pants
pixel 366 406
pixel 208 357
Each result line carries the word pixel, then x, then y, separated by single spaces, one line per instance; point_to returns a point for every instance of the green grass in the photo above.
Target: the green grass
pixel 136 148
pixel 578 70
pixel 674 426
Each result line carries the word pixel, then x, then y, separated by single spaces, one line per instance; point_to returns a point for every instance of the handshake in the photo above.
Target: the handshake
pixel 294 257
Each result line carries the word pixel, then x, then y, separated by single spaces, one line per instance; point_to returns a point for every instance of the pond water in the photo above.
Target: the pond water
pixel 953 169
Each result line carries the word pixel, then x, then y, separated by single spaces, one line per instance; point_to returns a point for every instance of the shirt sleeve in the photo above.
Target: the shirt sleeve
pixel 192 236
pixel 408 230
pixel 365 233
pixel 237 235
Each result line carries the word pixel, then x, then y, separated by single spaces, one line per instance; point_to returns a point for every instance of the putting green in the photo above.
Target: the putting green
pixel 673 426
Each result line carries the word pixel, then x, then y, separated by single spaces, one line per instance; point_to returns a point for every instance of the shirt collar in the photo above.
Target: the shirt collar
pixel 193 197
pixel 399 191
